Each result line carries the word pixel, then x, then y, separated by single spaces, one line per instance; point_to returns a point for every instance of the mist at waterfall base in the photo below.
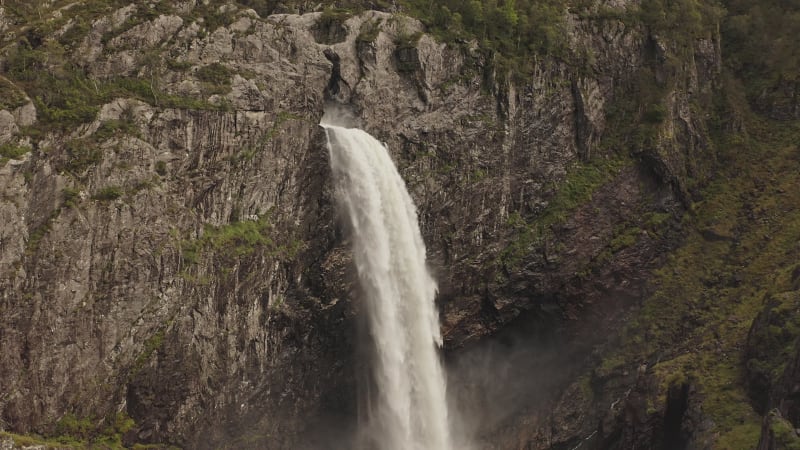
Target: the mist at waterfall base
pixel 405 407
pixel 490 383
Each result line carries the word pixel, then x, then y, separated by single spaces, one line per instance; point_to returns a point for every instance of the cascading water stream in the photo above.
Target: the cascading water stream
pixel 409 411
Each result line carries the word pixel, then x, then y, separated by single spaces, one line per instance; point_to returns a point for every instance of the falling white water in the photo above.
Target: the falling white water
pixel 409 411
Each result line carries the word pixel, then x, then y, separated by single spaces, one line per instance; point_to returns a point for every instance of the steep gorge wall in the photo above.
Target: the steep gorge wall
pixel 134 281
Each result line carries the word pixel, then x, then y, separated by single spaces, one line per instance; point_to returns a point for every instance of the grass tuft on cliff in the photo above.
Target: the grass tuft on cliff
pixel 74 433
pixel 236 240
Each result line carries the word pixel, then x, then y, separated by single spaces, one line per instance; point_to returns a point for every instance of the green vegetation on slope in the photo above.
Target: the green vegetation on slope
pixel 582 180
pixel 10 96
pixel 84 433
pixel 513 32
pixel 740 249
pixel 760 43
pixel 65 95
pixel 741 242
pixel 12 151
pixel 510 33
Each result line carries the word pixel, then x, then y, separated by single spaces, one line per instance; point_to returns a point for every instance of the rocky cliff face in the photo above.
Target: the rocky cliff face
pixel 189 266
pixel 177 259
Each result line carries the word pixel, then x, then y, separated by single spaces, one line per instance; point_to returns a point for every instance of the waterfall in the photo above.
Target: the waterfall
pixel 409 410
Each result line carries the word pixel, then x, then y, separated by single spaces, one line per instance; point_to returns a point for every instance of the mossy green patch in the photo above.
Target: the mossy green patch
pixel 250 150
pixel 65 96
pixel 771 344
pixel 212 15
pixel 238 239
pixel 216 76
pixel 75 33
pixel 23 441
pixel 582 180
pixel 710 289
pixel 785 435
pixel 108 193
pixel 10 96
pixel 79 433
pixel 71 196
pixel 37 234
pixel 334 17
pixel 161 168
pixel 116 127
pixel 151 345
pixel 142 14
pixel 760 46
pixel 369 31
pixel 80 154
pixel 12 151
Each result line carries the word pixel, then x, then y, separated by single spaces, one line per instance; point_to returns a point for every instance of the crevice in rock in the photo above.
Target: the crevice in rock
pixel 329 29
pixel 583 129
pixel 677 405
pixel 337 90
